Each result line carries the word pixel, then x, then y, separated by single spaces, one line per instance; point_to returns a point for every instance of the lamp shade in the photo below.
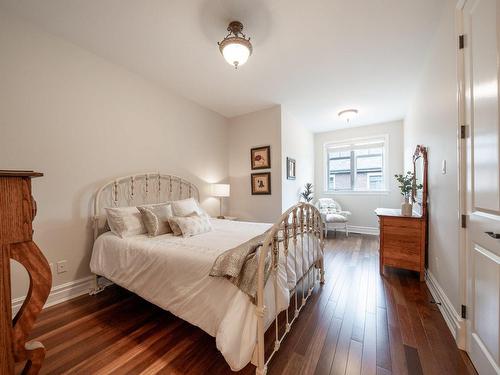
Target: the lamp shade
pixel 220 190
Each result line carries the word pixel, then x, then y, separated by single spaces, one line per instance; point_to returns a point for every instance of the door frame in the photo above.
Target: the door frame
pixel 463 181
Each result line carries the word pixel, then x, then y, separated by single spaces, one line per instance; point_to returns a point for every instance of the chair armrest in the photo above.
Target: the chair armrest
pixel 346 213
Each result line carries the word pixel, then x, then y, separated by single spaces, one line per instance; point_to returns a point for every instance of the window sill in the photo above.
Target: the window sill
pixel 357 192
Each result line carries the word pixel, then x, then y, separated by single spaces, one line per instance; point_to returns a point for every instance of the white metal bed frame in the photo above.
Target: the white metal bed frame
pixel 299 231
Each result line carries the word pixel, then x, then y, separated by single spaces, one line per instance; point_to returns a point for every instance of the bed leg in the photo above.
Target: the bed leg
pixel 261 363
pixel 321 271
pixel 96 288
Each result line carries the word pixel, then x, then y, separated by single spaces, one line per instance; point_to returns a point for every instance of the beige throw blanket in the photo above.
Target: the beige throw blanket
pixel 240 265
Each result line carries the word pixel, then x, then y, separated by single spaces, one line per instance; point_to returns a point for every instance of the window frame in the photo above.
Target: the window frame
pixel 350 145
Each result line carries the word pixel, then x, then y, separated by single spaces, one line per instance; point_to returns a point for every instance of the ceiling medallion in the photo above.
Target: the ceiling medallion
pixel 235 47
pixel 348 114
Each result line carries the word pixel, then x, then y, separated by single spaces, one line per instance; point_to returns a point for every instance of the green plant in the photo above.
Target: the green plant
pixel 407 183
pixel 308 192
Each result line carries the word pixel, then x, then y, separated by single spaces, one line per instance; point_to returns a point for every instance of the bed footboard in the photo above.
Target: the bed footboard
pixel 296 239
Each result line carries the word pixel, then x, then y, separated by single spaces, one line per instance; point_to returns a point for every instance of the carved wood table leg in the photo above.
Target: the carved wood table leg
pixel 30 256
pixel 6 362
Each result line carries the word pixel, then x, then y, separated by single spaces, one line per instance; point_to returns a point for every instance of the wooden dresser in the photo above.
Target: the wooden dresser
pixel 17 211
pixel 402 240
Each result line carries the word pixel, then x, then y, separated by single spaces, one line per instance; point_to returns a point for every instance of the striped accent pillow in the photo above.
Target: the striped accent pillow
pixel 190 225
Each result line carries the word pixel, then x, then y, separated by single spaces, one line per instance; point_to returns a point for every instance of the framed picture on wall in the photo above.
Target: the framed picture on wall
pixel 290 168
pixel 260 157
pixel 261 183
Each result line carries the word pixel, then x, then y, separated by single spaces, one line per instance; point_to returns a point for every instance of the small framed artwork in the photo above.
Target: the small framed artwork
pixel 261 183
pixel 260 157
pixel 290 169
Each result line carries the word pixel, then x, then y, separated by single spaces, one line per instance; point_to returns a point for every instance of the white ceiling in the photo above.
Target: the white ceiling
pixel 313 57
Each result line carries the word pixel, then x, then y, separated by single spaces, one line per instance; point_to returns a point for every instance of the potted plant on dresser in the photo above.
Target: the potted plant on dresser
pixel 407 184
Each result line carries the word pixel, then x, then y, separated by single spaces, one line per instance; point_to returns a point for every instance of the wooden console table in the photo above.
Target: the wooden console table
pixel 402 240
pixel 17 211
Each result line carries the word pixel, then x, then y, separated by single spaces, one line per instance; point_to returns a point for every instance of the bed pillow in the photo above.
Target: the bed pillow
pixel 186 207
pixel 190 225
pixel 125 221
pixel 176 230
pixel 155 218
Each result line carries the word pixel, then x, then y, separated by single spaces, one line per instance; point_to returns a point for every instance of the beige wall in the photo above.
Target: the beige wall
pixel 433 122
pixel 82 121
pixel 260 128
pixel 297 142
pixel 362 205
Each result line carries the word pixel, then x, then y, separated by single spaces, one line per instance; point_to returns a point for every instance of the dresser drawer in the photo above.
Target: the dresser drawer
pixel 402 242
pixel 402 261
pixel 400 223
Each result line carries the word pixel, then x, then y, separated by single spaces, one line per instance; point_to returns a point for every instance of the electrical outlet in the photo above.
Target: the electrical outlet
pixel 61 266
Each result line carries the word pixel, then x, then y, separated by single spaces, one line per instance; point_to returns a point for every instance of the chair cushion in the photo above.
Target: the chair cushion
pixel 335 218
pixel 324 203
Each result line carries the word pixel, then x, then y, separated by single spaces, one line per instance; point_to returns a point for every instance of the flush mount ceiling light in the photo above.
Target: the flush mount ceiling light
pixel 235 47
pixel 348 114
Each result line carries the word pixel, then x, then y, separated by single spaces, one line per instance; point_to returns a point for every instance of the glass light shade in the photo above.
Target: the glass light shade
pixel 220 190
pixel 235 53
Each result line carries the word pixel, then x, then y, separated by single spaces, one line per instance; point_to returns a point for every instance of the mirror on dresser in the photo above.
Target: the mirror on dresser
pixel 419 196
pixel 403 239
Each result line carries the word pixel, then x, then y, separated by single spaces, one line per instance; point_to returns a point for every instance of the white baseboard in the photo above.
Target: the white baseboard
pixel 60 293
pixel 455 323
pixel 361 230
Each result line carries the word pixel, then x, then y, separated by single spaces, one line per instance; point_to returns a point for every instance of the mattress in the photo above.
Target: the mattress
pixel 173 273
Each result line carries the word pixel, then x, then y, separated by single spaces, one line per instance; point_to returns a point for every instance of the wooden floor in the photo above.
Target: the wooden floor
pixel 357 323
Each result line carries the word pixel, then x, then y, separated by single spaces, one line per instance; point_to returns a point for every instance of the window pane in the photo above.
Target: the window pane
pixel 339 170
pixel 340 154
pixel 358 168
pixel 338 165
pixel 369 160
pixel 369 168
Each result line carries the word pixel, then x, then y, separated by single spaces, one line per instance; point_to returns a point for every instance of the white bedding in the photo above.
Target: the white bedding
pixel 173 273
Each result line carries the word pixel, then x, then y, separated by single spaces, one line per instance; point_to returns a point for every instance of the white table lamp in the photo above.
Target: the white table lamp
pixel 220 191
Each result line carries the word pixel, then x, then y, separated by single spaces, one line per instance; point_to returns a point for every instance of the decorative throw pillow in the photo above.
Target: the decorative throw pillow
pixel 186 207
pixel 191 225
pixel 155 218
pixel 174 226
pixel 125 221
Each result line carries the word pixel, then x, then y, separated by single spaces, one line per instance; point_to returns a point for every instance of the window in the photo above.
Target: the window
pixel 356 165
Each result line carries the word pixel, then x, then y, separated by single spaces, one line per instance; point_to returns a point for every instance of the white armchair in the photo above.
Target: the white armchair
pixel 333 215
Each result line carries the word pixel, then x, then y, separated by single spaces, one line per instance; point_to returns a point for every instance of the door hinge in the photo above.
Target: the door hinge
pixel 463 220
pixel 461 41
pixel 463 131
pixel 464 312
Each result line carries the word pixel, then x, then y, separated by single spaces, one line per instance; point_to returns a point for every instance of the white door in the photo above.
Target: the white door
pixel 481 63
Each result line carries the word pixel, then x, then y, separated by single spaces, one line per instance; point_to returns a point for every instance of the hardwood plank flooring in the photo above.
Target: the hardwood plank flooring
pixel 357 323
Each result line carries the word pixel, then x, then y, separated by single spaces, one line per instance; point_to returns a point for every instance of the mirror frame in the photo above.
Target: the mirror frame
pixel 420 152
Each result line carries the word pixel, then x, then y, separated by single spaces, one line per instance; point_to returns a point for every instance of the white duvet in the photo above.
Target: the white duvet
pixel 173 273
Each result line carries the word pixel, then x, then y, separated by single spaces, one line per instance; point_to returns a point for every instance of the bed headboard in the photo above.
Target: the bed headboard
pixel 137 189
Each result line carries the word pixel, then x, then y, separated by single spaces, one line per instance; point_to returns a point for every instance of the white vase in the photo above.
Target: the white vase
pixel 406 207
